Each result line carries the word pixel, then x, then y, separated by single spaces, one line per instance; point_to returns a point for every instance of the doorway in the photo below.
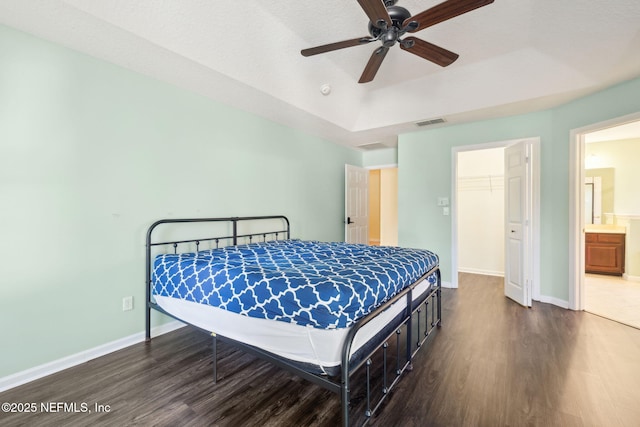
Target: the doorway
pixel 607 273
pixel 480 211
pixel 383 206
pixel 478 188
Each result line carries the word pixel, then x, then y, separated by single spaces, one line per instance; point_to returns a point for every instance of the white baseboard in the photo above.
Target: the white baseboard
pixel 447 285
pixel 23 377
pixel 482 272
pixel 625 276
pixel 555 301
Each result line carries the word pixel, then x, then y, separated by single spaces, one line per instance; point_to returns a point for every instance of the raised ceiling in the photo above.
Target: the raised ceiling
pixel 515 56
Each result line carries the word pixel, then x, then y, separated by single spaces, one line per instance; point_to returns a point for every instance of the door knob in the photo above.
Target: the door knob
pixel 349 220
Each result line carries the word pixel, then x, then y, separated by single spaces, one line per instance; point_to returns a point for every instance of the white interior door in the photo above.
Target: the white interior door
pixel 518 245
pixel 356 205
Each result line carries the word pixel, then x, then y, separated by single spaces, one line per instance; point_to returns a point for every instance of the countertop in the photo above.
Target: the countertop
pixel 604 228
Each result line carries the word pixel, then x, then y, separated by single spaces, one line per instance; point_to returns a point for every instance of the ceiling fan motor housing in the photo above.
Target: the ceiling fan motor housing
pixel 397 14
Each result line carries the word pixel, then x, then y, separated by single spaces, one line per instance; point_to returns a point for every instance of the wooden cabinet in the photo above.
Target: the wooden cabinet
pixel 604 253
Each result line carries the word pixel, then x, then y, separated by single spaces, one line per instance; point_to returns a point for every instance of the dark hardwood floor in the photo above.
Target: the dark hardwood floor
pixel 493 363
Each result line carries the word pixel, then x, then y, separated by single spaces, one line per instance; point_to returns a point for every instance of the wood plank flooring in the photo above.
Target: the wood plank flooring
pixel 493 363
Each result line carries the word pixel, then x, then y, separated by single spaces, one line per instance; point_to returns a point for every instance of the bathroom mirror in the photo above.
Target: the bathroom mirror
pixel 598 195
pixel 593 200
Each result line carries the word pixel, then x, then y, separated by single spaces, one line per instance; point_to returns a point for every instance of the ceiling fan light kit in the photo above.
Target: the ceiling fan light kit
pixel 388 23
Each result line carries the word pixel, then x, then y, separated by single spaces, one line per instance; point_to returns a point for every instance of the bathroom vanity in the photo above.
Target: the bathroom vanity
pixel 604 249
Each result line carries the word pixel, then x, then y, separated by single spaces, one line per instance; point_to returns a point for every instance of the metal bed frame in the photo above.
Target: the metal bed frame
pixel 338 384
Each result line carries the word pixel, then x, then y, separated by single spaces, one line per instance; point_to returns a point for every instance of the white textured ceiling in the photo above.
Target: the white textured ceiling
pixel 515 56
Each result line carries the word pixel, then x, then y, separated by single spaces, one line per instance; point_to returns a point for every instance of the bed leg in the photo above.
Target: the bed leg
pixel 147 325
pixel 439 293
pixel 439 297
pixel 214 348
pixel 344 397
pixel 344 393
pixel 409 328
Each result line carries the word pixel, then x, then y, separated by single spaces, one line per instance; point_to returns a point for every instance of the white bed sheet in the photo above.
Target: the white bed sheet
pixel 321 347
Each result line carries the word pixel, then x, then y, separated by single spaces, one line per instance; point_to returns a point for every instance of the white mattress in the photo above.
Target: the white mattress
pixel 321 347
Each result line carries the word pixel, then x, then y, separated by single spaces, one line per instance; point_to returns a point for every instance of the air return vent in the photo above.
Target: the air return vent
pixel 431 122
pixel 373 146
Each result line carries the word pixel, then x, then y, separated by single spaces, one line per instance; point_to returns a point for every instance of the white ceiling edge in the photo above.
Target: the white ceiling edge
pixel 142 55
pixel 241 55
pixel 352 114
pixel 231 92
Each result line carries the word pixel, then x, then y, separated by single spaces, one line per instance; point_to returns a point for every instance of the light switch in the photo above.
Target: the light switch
pixel 443 201
pixel 445 210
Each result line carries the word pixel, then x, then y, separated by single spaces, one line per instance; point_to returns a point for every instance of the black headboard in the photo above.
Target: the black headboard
pixel 228 231
pixel 232 237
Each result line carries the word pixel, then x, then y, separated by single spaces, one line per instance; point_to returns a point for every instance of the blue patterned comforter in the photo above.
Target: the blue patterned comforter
pixel 323 285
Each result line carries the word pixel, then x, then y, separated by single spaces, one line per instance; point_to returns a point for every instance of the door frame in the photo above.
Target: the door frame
pixel 535 219
pixel 370 168
pixel 380 168
pixel 576 204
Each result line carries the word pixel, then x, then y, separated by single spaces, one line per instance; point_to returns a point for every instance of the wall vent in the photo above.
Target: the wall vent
pixel 431 122
pixel 373 146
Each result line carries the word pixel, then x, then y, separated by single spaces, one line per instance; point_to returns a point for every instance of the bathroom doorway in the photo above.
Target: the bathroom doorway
pixel 612 223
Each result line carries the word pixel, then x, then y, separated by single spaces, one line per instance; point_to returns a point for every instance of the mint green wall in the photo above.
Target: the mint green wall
pixel 91 154
pixel 384 157
pixel 424 165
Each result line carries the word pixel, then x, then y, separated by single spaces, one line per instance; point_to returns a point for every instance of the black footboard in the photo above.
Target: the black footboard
pixel 405 333
pixel 410 319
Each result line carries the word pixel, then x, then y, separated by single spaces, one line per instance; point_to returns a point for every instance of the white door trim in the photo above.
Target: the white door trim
pixel 535 219
pixel 387 166
pixel 576 205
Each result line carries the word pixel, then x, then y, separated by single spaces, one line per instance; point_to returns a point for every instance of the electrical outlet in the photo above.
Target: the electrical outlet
pixel 127 303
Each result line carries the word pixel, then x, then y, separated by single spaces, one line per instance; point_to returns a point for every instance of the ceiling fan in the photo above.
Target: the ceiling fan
pixel 388 23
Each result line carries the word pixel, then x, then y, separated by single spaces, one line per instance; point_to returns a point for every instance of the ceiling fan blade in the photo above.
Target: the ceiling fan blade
pixel 335 46
pixel 376 11
pixel 428 51
pixel 446 10
pixel 373 65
